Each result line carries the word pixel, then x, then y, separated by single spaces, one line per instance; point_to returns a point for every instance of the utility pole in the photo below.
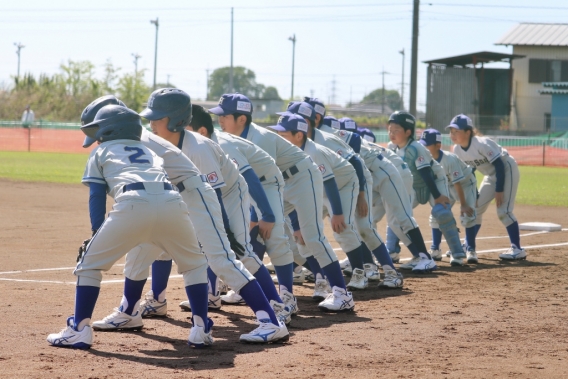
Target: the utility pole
pixel 20 47
pixel 414 61
pixel 293 39
pixel 333 90
pixel 231 69
pixel 383 98
pixel 155 22
pixel 402 84
pixel 207 83
pixel 136 57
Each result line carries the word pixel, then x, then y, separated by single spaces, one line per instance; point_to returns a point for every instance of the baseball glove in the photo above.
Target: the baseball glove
pixel 237 248
pixel 83 247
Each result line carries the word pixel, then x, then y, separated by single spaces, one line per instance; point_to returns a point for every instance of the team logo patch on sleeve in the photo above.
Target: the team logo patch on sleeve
pixel 342 133
pixel 212 177
pixel 490 154
pixel 339 152
pixel 420 160
pixel 456 174
pixel 235 162
pixel 322 168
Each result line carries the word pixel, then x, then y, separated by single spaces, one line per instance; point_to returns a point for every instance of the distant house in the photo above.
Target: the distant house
pixel 545 47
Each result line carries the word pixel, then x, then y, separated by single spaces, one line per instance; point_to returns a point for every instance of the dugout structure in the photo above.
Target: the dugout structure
pixel 462 84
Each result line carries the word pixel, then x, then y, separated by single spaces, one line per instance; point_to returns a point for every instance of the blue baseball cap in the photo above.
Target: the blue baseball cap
pixel 301 108
pixel 332 122
pixel 231 103
pixel 367 134
pixel 291 123
pixel 430 137
pixel 317 104
pixel 347 123
pixel 461 122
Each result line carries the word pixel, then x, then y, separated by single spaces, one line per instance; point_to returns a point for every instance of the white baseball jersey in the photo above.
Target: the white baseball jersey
pixel 482 152
pixel 283 152
pixel 456 170
pixel 330 164
pixel 332 142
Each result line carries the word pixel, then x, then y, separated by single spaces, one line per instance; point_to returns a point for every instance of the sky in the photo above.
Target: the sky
pixel 342 47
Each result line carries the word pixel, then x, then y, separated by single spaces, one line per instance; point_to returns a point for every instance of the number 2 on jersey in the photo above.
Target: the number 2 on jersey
pixel 138 153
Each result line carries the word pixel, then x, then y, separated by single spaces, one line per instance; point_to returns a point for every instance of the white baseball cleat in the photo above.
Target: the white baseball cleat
pixel 448 254
pixel 395 257
pixel 267 332
pixel 471 256
pixel 69 337
pixel 150 307
pixel 392 279
pixel 214 302
pixel 198 337
pixel 232 298
pixel 344 263
pixel 424 264
pixel 321 290
pixel 282 312
pixel 513 254
pixel 222 287
pixel 358 280
pixel 290 301
pixel 339 300
pixel 119 320
pixel 456 262
pixel 309 276
pixel 436 254
pixel 372 272
pixel 410 264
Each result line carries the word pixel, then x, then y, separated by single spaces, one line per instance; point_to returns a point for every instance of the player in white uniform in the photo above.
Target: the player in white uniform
pixel 303 192
pixel 205 213
pixel 462 186
pixel 340 195
pixel 266 184
pixel 500 182
pixel 147 210
pixel 430 184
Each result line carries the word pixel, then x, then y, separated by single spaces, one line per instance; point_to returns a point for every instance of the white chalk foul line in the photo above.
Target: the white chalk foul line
pixel 72 283
pixel 46 269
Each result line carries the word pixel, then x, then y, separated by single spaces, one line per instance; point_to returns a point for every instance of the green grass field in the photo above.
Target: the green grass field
pixel 539 185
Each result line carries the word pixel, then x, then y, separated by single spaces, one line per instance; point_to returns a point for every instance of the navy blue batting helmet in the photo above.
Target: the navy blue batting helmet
pixel 404 119
pixel 114 122
pixel 172 103
pixel 91 110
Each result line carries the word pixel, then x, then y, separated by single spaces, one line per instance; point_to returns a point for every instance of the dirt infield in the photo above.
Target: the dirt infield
pixel 493 319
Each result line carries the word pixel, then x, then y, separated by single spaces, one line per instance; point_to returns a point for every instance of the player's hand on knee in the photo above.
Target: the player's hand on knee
pixel 444 200
pixel 499 198
pixel 338 223
pixel 466 210
pixel 83 247
pixel 298 237
pixel 265 229
pixel 237 248
pixel 362 206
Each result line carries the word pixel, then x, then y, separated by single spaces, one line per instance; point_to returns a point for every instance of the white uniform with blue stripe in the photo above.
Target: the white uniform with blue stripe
pixel 480 155
pixel 146 212
pixel 207 220
pixel 246 155
pixel 303 190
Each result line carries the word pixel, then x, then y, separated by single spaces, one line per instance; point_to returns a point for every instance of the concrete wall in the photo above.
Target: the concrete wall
pixel 530 106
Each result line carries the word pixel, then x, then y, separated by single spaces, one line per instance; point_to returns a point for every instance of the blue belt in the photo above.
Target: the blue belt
pixel 140 186
pixel 262 178
pixel 181 187
pixel 293 171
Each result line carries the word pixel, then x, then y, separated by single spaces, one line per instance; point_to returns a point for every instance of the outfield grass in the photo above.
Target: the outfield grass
pixel 539 185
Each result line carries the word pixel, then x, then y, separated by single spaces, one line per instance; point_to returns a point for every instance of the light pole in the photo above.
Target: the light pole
pixel 20 47
pixel 402 84
pixel 293 39
pixel 136 57
pixel 231 68
pixel 414 58
pixel 155 22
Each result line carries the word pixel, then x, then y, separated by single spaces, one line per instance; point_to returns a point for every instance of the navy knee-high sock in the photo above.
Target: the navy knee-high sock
pixel 334 275
pixel 212 281
pixel 417 244
pixel 470 234
pixel 265 282
pixel 257 246
pixel 199 301
pixel 255 299
pixel 436 238
pixel 356 257
pixel 314 267
pixel 285 276
pixel 382 255
pixel 514 234
pixel 132 293
pixel 160 275
pixel 85 300
pixel 367 256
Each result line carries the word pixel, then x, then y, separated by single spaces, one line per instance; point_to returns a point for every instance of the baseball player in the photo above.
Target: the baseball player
pixel 341 190
pixel 266 184
pixel 462 186
pixel 206 214
pixel 430 184
pixel 500 181
pixel 147 210
pixel 303 192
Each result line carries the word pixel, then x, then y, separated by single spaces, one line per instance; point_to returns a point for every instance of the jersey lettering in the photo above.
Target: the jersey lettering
pixel 138 153
pixel 477 162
